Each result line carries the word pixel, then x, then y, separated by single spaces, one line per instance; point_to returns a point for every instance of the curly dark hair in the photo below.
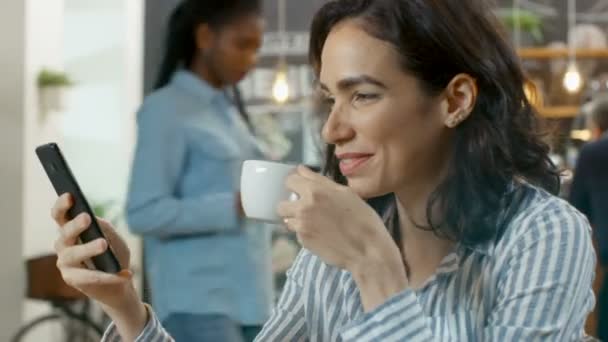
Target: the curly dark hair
pixel 498 145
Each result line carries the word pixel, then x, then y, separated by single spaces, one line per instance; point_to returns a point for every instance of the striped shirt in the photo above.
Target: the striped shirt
pixel 532 283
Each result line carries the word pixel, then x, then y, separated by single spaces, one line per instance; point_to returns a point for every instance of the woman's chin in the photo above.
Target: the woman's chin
pixel 365 189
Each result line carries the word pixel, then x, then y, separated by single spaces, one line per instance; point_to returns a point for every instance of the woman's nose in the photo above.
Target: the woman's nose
pixel 337 129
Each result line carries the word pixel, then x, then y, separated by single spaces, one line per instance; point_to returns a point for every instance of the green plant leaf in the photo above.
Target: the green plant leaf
pixel 108 210
pixel 52 78
pixel 537 34
pixel 528 21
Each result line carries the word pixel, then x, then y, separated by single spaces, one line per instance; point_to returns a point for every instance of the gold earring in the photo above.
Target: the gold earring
pixel 452 121
pixel 456 119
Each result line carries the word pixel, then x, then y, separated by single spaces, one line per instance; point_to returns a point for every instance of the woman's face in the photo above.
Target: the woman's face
pixel 388 133
pixel 234 48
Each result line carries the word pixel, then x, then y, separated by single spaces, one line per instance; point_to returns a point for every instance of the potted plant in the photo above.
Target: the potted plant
pixel 530 24
pixel 52 85
pixel 109 210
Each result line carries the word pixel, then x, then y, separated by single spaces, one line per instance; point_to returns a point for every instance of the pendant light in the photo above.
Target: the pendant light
pixel 280 86
pixel 573 81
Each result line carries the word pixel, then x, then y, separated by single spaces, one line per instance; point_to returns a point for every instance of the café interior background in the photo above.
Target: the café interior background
pixel 110 49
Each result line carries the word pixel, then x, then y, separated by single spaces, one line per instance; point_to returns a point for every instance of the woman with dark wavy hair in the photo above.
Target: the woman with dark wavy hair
pixel 438 219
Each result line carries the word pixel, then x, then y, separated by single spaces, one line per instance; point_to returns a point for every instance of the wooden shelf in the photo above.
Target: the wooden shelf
pixel 548 53
pixel 558 112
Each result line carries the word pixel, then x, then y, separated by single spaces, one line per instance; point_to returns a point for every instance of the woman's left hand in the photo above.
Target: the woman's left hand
pixel 334 223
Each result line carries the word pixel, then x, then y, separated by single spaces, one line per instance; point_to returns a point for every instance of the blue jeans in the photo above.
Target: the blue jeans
pixel 208 328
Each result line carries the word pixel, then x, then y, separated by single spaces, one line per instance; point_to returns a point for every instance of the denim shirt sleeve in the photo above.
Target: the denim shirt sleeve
pixel 153 209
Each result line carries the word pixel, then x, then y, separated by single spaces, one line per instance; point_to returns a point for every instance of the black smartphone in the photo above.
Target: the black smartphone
pixel 63 181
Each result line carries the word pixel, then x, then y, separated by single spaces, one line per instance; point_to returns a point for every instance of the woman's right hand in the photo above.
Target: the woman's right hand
pixel 72 256
pixel 115 292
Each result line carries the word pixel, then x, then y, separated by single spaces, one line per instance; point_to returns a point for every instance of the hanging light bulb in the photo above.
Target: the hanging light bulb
pixel 572 79
pixel 280 87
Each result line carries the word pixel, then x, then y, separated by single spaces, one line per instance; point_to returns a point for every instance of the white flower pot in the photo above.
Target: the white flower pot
pixel 52 99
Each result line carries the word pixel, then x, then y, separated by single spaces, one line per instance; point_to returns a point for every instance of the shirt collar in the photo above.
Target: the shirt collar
pixel 485 248
pixel 451 262
pixel 191 83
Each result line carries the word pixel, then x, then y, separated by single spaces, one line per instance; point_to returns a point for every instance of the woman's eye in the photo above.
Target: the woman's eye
pixel 364 97
pixel 329 102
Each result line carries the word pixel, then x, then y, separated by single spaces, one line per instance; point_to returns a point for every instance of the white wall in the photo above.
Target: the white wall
pixel 103 53
pixel 33 32
pixel 12 36
pixel 99 44
pixel 44 49
pixel 31 36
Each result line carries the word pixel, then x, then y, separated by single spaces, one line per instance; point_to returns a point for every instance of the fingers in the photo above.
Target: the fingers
pixel 305 178
pixel 104 224
pixel 296 226
pixel 287 209
pixel 310 174
pixel 71 230
pixel 315 177
pixel 117 244
pixel 298 183
pixel 60 209
pixel 292 224
pixel 307 186
pixel 81 277
pixel 108 230
pixel 75 256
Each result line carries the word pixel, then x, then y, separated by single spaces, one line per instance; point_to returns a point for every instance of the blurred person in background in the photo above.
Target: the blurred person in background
pixel 208 268
pixel 589 193
pixel 437 218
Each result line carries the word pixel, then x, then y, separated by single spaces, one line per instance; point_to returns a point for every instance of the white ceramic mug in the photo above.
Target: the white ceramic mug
pixel 263 187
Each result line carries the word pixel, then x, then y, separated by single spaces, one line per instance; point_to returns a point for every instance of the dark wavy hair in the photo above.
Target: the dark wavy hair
pixel 180 45
pixel 497 145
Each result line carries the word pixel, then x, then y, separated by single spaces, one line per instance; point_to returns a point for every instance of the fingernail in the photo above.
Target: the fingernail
pixel 103 244
pixel 125 273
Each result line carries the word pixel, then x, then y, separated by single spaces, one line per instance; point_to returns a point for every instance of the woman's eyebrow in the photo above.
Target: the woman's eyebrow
pixel 353 81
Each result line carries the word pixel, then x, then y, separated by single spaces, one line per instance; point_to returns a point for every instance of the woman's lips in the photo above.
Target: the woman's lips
pixel 350 163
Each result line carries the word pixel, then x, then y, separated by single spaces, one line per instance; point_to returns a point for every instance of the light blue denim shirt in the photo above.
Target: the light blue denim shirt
pixel 200 257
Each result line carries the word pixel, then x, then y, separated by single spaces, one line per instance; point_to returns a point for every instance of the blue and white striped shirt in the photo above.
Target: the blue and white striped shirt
pixel 532 283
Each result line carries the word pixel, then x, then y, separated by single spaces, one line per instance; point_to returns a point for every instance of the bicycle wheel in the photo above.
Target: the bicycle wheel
pixel 59 327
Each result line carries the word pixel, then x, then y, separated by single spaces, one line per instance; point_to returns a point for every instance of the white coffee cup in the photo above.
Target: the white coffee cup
pixel 263 187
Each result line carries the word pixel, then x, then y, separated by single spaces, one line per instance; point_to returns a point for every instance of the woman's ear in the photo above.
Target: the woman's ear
pixel 460 97
pixel 203 36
